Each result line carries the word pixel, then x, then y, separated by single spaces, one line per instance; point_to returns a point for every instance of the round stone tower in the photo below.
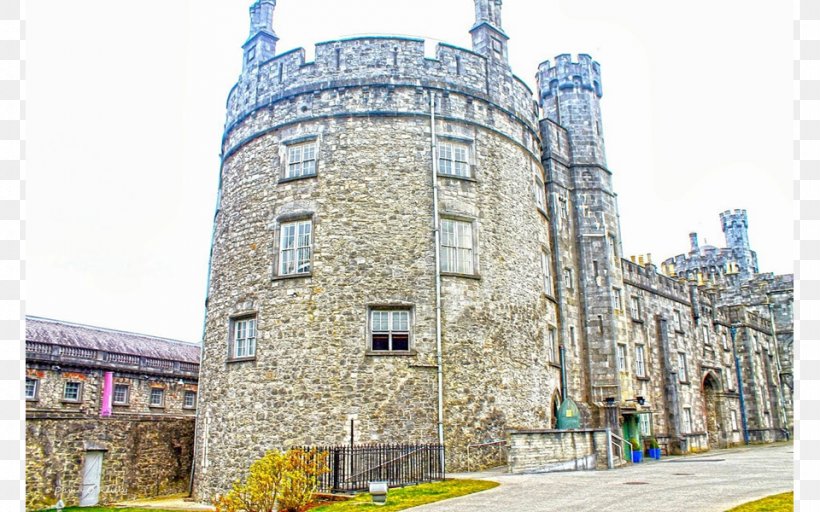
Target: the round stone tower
pixel 322 322
pixel 735 225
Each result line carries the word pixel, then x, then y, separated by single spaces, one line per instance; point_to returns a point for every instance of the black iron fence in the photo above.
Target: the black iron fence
pixel 353 467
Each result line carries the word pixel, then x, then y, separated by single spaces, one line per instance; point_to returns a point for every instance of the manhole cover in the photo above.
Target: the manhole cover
pixel 635 483
pixel 698 460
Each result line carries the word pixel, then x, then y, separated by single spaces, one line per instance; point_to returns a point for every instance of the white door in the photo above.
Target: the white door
pixel 92 469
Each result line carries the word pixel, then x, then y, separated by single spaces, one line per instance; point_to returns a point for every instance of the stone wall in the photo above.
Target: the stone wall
pixel 143 457
pixel 543 451
pixel 51 385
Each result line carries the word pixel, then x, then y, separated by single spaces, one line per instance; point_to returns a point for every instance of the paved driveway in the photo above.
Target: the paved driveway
pixel 714 481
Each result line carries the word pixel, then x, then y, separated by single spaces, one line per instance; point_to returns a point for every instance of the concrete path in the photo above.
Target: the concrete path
pixel 711 482
pixel 176 502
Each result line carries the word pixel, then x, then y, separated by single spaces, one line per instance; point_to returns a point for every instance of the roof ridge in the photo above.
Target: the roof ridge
pixel 107 329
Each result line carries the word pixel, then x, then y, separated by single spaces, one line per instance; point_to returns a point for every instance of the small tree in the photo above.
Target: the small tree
pixel 261 488
pixel 302 480
pixel 288 480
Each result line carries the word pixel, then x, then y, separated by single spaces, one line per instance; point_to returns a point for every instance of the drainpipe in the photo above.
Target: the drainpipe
pixel 558 276
pixel 733 332
pixel 437 235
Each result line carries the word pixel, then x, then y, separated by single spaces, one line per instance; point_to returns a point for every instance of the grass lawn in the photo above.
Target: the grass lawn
pixel 775 503
pixel 412 496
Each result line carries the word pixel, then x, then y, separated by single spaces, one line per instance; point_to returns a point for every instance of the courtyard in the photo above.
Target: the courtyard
pixel 711 482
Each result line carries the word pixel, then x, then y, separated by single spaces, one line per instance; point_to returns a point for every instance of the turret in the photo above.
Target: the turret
pixel 570 94
pixel 261 43
pixel 735 225
pixel 693 242
pixel 489 38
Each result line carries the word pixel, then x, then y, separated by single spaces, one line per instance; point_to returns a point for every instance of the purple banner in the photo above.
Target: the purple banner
pixel 108 394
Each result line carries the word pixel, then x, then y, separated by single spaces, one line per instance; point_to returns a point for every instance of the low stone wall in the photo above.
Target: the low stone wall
pixel 142 457
pixel 542 451
pixel 768 435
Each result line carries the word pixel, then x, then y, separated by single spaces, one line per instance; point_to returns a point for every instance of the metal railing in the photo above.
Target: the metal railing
pixel 502 444
pixel 611 444
pixel 353 467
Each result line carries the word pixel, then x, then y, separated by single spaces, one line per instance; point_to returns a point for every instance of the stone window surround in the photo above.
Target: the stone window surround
pixel 469 143
pixel 635 308
pixel 127 400
pixel 618 300
pixel 284 157
pixel 79 392
pixel 678 321
pixel 185 395
pixel 287 218
pixel 447 215
pixel 683 369
pixel 546 271
pixel 568 278
pixel 640 362
pixel 390 306
pixel 540 192
pixel 232 320
pixel 36 395
pixel 151 395
pixel 620 358
pixel 553 348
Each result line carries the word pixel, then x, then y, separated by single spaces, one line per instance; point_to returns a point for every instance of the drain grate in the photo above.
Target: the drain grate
pixel 683 474
pixel 636 483
pixel 698 460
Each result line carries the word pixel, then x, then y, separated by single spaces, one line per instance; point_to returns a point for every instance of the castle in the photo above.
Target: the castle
pixel 410 248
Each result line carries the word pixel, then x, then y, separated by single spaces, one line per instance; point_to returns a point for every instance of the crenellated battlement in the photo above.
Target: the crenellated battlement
pixel 585 73
pixel 377 60
pixel 737 215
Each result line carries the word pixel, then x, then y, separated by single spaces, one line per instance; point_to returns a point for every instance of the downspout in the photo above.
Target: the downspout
pixel 437 236
pixel 559 289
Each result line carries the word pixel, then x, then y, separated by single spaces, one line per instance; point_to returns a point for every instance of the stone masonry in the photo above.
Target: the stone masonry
pixel 146 445
pixel 322 303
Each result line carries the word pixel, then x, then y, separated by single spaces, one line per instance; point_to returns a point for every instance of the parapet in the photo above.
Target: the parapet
pixel 737 215
pixel 374 60
pixel 566 74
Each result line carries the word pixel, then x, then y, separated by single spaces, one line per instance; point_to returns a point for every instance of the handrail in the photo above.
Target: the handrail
pixel 352 478
pixel 620 446
pixel 481 445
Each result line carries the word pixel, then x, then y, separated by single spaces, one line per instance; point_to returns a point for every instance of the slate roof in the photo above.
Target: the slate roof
pixel 56 332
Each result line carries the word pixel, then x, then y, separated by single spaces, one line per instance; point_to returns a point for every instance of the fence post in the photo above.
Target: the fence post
pixel 336 469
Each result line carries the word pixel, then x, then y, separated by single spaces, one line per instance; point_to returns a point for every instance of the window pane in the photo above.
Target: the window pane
pixel 400 320
pixel 72 391
pixel 401 341
pixel 288 235
pixel 295 154
pixel 381 341
pixel 379 321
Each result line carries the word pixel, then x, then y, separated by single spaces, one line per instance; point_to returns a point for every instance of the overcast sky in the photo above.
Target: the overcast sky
pixel 126 105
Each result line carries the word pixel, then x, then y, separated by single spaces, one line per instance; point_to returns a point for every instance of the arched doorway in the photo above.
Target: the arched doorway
pixel 711 400
pixel 556 406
